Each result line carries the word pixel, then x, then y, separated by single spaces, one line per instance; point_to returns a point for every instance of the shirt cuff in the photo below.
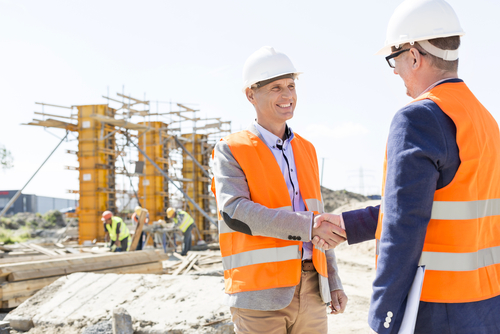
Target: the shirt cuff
pixel 311 226
pixel 342 225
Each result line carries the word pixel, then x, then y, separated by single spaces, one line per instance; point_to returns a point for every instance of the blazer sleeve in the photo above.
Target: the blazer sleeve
pixel 241 214
pixel 360 225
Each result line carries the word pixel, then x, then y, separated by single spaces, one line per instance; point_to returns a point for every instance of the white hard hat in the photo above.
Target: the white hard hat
pixel 266 63
pixel 421 20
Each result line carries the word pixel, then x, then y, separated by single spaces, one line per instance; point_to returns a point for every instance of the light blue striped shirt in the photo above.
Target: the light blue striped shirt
pixel 286 162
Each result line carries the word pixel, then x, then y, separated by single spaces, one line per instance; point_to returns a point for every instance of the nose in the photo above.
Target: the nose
pixel 287 93
pixel 395 72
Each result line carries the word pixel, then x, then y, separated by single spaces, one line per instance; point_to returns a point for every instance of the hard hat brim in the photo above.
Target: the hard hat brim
pixel 274 76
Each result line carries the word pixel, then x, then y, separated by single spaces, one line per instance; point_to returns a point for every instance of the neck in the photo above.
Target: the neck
pixel 277 129
pixel 431 79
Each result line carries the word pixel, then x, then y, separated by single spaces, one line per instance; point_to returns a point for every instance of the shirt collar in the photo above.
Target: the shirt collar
pixel 437 83
pixel 271 139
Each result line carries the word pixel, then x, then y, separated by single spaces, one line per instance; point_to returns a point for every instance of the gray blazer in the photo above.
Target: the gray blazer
pixel 235 205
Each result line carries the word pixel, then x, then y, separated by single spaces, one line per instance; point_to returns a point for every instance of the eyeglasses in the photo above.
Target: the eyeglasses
pixel 392 62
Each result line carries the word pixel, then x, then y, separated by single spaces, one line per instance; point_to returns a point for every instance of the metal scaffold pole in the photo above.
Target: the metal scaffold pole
pixel 171 181
pixel 16 196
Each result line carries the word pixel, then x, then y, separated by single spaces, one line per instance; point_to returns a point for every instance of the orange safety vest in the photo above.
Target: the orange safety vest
pixel 461 251
pixel 254 262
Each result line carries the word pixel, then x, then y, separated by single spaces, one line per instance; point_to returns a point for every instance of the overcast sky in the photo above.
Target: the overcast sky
pixel 72 52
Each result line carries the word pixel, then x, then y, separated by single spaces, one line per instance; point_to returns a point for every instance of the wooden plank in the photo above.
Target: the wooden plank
pixel 209 262
pixel 144 256
pixel 9 260
pixel 148 268
pixel 72 250
pixel 193 261
pixel 184 264
pixel 79 265
pixel 138 229
pixel 12 290
pixel 41 249
pixel 182 258
pixel 11 303
pixel 170 264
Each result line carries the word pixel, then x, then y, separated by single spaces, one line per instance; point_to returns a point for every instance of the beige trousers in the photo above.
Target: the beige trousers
pixel 305 314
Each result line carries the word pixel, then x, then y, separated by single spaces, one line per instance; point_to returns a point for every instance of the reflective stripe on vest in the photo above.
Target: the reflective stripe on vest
pixel 255 262
pixel 314 205
pixel 258 256
pixel 461 251
pixel 462 210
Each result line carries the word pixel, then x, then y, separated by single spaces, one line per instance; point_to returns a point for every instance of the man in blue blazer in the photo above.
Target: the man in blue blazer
pixel 427 154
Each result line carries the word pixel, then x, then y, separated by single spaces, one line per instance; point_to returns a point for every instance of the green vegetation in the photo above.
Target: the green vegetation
pixel 25 225
pixel 12 236
pixel 53 219
pixel 6 159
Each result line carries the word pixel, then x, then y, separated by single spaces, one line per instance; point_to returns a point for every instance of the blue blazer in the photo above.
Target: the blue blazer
pixel 422 156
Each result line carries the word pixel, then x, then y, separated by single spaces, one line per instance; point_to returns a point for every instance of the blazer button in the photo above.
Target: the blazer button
pixel 298 238
pixel 389 314
pixel 388 320
pixel 290 237
pixel 386 324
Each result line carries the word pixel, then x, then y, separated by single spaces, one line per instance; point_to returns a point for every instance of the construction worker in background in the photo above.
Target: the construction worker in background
pixel 116 230
pixel 266 181
pixel 135 220
pixel 440 213
pixel 184 222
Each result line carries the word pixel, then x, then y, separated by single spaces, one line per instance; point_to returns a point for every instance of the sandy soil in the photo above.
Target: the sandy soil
pixel 357 270
pixel 196 301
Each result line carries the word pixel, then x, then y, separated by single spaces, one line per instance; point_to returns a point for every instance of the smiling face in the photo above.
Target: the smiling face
pixel 274 102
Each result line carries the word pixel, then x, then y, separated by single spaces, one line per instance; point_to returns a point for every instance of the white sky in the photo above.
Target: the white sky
pixel 70 52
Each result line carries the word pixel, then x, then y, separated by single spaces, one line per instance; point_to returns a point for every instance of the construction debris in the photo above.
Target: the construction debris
pixel 21 280
pixel 157 304
pixel 197 261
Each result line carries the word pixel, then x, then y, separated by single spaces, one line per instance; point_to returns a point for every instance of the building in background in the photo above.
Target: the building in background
pixel 34 203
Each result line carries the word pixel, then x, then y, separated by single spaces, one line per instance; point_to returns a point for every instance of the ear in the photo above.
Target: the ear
pixel 416 58
pixel 250 95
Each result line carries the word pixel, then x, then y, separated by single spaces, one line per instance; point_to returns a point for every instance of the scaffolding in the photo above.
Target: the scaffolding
pixel 131 156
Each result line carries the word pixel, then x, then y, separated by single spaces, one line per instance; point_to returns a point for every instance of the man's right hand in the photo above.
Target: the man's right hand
pixel 328 236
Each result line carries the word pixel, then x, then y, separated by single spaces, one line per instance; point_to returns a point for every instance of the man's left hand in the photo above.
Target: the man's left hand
pixel 339 301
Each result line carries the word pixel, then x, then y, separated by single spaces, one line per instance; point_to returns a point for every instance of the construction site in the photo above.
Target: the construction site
pixel 130 159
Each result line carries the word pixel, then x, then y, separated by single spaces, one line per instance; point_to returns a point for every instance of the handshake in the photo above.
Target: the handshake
pixel 328 231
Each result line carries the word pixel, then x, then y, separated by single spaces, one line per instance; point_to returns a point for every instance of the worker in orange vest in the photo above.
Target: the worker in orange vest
pixel 440 212
pixel 266 182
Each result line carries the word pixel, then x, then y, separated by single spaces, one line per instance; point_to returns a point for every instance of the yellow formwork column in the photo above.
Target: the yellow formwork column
pixel 96 156
pixel 153 187
pixel 198 186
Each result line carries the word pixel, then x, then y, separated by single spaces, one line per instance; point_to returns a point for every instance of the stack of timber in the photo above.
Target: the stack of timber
pixel 197 262
pixel 21 280
pixel 31 249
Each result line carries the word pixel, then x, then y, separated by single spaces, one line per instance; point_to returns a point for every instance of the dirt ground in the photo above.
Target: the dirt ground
pixel 357 270
pixel 185 304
